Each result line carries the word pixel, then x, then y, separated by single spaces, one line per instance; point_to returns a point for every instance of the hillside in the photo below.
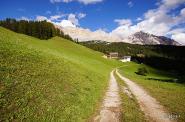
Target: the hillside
pixel 38 29
pixel 167 51
pixel 164 57
pixel 49 80
pixel 143 38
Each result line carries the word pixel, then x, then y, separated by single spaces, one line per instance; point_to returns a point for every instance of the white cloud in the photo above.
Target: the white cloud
pixel 179 37
pixel 81 15
pixel 73 19
pixel 127 22
pixel 130 4
pixel 41 18
pixel 87 35
pixel 65 23
pixel 167 5
pixel 158 21
pixel 89 1
pixel 55 1
pixel 124 31
pixel 55 17
pixel 81 1
pixel 176 31
pixel 138 19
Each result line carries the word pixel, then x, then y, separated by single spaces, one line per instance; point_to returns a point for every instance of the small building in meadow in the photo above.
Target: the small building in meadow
pixel 125 59
pixel 112 55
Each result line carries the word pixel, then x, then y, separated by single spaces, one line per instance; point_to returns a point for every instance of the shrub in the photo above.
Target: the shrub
pixel 142 71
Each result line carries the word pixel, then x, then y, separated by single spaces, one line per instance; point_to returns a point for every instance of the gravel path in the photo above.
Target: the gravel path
pixel 110 109
pixel 149 105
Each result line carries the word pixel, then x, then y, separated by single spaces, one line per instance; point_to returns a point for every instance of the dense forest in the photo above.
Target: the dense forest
pixel 38 29
pixel 171 58
pixel 134 50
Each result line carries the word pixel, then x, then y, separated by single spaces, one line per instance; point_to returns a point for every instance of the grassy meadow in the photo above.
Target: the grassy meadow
pixel 169 94
pixel 49 80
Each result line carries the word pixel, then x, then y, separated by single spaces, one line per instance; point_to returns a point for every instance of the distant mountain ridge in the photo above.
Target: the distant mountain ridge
pixel 140 37
pixel 143 38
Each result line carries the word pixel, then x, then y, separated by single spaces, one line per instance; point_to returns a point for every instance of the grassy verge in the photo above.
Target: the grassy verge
pixel 171 95
pixel 130 107
pixel 49 80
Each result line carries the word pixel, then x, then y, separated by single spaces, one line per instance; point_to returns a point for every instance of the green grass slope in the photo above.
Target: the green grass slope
pixel 49 80
pixel 171 95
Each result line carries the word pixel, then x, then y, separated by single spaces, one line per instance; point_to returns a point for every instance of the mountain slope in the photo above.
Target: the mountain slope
pixel 149 39
pixel 49 80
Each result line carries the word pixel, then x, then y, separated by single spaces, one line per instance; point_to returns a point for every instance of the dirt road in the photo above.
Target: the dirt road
pixel 110 109
pixel 149 105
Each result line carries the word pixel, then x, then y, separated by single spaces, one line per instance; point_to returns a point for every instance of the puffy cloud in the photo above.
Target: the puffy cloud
pixel 127 22
pixel 182 12
pixel 179 37
pixel 176 31
pixel 154 28
pixel 138 19
pixel 124 31
pixel 81 1
pixel 73 19
pixel 89 1
pixel 160 21
pixel 167 5
pixel 56 17
pixel 65 23
pixel 55 1
pixel 87 35
pixel 42 18
pixel 81 15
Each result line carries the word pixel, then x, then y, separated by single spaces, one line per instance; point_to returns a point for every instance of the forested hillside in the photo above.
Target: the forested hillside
pixel 174 52
pixel 170 58
pixel 38 29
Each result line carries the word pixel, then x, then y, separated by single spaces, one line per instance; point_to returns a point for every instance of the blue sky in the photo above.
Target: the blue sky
pixel 98 15
pixel 118 17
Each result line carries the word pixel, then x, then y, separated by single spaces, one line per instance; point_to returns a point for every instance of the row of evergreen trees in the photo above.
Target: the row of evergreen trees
pixel 38 29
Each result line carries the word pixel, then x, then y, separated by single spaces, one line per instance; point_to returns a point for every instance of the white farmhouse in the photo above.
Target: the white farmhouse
pixel 126 59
